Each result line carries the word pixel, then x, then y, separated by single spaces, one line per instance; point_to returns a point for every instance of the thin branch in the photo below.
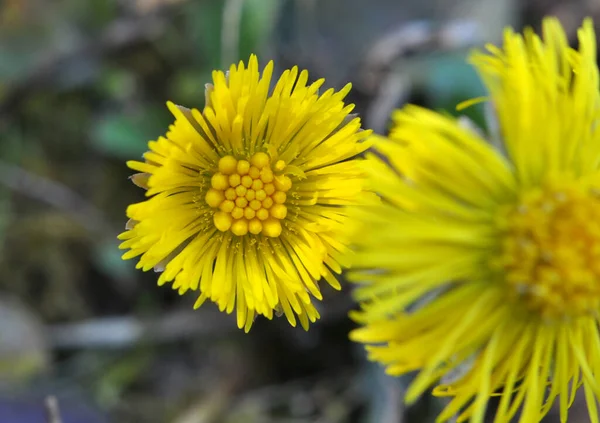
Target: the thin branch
pixel 424 36
pixel 128 331
pixel 52 410
pixel 54 194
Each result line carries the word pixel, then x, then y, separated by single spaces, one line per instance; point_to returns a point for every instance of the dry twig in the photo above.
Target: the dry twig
pixel 52 410
pixel 54 194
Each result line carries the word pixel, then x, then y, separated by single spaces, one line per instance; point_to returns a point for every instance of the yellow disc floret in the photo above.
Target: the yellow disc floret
pixel 249 195
pixel 257 184
pixel 230 194
pixel 262 214
pixel 261 195
pixel 267 203
pixel 243 167
pixel 237 213
pixel 247 181
pixel 254 172
pixel 255 227
pixel 240 227
pixel 222 221
pixel 235 180
pixel 219 181
pixel 272 227
pixel 227 165
pixel 227 206
pixel 278 211
pixel 214 197
pixel 282 183
pixel 249 213
pixel 260 160
pixel 279 165
pixel 551 251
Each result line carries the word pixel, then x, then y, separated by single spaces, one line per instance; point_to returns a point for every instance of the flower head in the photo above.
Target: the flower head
pixel 481 268
pixel 247 200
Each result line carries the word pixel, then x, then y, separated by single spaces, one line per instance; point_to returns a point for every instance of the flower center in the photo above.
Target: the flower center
pixel 551 252
pixel 249 195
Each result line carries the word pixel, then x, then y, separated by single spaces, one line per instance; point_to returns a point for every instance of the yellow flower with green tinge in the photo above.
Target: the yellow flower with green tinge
pixel 248 199
pixel 480 268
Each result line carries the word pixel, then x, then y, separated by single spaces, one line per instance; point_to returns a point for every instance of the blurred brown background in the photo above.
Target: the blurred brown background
pixel 82 89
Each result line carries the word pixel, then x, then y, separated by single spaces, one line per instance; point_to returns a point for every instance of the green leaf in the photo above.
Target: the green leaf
pixel 125 136
pixel 449 81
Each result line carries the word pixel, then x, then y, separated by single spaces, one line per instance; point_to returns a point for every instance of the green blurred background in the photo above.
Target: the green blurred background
pixel 83 86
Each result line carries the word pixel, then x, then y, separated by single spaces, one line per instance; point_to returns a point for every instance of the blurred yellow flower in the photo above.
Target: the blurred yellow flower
pixel 481 266
pixel 247 200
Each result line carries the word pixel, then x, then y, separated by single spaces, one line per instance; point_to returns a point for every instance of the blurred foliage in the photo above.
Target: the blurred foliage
pixel 450 80
pixel 83 86
pixel 124 136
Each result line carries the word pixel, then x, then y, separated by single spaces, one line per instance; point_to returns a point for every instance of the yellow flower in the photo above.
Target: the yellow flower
pixel 481 266
pixel 247 200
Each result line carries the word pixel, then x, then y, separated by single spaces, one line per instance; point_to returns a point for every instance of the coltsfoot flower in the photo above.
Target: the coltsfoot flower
pixel 481 265
pixel 247 200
